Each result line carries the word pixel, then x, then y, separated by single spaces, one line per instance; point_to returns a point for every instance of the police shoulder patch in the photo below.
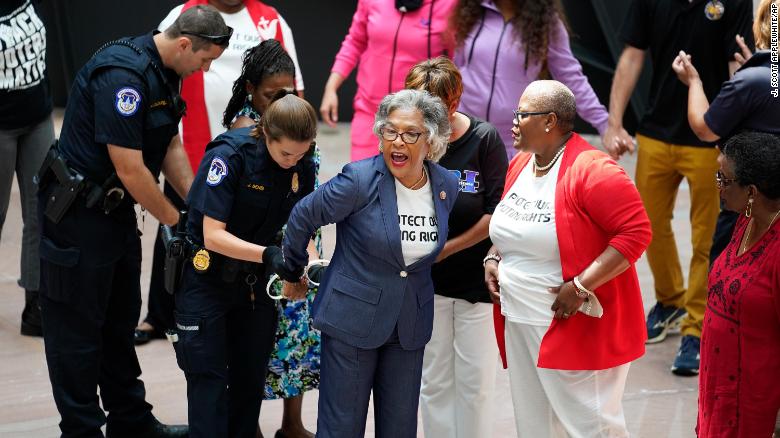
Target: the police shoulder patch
pixel 218 170
pixel 127 101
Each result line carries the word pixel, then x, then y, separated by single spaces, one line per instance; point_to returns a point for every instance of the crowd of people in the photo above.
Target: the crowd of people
pixel 542 229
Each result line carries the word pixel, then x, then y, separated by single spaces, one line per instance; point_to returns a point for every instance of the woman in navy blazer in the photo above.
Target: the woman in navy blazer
pixel 375 303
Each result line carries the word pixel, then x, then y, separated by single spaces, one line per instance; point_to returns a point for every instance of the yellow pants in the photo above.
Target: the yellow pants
pixel 660 169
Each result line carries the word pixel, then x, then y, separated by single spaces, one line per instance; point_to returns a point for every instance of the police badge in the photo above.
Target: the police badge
pixel 714 9
pixel 201 260
pixel 294 186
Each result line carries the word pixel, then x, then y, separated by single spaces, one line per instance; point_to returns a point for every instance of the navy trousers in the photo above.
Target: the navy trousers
pixel 224 344
pixel 90 300
pixel 348 376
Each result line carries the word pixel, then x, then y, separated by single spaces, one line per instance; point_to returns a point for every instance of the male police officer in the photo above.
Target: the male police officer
pixel 119 132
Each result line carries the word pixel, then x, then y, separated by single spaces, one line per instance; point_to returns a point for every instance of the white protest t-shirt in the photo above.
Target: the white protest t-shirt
pixel 523 230
pixel 218 81
pixel 417 221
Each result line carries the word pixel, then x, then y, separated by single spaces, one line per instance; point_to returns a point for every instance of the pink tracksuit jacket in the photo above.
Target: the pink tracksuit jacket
pixel 385 43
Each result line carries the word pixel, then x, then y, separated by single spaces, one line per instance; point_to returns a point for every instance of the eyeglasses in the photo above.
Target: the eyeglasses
pixel 406 137
pixel 220 40
pixel 519 115
pixel 721 181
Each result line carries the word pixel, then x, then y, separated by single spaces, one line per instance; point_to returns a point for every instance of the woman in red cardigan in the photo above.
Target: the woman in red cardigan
pixel 569 316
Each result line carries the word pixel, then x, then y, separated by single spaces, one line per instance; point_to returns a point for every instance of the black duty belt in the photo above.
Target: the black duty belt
pixel 228 268
pixel 70 184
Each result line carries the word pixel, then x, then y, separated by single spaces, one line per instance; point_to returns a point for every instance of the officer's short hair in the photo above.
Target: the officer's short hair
pixel 200 19
pixel 553 96
pixel 435 117
pixel 290 117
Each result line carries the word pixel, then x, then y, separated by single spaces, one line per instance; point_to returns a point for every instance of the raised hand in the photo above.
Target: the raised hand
pixel 684 69
pixel 744 51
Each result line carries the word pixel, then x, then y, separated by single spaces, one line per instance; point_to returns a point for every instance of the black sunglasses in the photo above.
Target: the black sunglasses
pixel 519 115
pixel 220 40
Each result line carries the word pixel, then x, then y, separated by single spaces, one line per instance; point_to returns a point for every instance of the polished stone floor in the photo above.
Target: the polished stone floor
pixel 657 404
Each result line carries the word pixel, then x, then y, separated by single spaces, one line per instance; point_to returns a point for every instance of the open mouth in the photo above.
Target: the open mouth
pixel 398 158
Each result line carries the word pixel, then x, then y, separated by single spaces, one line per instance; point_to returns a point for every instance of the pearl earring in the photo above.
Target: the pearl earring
pixel 546 129
pixel 249 97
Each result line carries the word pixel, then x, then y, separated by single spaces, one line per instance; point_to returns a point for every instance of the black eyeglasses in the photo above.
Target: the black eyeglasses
pixel 721 181
pixel 519 115
pixel 406 137
pixel 220 40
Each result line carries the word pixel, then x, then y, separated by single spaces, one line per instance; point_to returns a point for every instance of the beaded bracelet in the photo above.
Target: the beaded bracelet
pixel 493 256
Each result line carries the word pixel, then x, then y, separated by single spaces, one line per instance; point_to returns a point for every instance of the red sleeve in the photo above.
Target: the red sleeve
pixel 611 199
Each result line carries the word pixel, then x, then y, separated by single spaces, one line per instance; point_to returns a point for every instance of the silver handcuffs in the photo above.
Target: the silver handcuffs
pixel 311 284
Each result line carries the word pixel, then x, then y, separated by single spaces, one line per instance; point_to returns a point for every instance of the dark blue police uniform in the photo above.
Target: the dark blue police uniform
pixel 225 323
pixel 91 257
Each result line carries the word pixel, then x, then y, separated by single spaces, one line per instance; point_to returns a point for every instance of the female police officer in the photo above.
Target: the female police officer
pixel 242 195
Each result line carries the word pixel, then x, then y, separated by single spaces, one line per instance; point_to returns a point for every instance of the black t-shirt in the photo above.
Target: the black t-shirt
pixel 479 160
pixel 701 29
pixel 746 101
pixel 24 86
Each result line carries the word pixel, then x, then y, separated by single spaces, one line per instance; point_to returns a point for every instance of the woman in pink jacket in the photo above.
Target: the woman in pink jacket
pixel 385 41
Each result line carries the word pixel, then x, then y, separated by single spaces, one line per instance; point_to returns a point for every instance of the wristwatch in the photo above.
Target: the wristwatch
pixel 581 291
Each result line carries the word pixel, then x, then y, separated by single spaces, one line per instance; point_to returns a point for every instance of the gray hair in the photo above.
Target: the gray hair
pixel 434 113
pixel 553 96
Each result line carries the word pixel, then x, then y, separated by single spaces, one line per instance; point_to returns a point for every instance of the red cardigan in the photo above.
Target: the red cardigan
pixel 596 205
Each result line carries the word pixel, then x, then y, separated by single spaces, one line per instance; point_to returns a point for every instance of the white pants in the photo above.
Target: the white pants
pixel 561 403
pixel 459 370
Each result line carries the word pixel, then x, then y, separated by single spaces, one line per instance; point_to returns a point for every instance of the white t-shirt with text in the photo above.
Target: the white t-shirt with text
pixel 523 230
pixel 417 221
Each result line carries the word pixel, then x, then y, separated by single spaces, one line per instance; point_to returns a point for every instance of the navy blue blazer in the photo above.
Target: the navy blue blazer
pixel 368 289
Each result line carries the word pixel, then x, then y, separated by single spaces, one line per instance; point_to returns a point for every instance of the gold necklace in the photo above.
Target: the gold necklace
pixel 422 176
pixel 747 235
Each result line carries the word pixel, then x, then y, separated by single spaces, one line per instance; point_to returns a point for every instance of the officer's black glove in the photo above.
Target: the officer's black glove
pixel 272 258
pixel 316 273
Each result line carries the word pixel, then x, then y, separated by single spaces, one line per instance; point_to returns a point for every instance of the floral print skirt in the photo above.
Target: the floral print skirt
pixel 294 367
